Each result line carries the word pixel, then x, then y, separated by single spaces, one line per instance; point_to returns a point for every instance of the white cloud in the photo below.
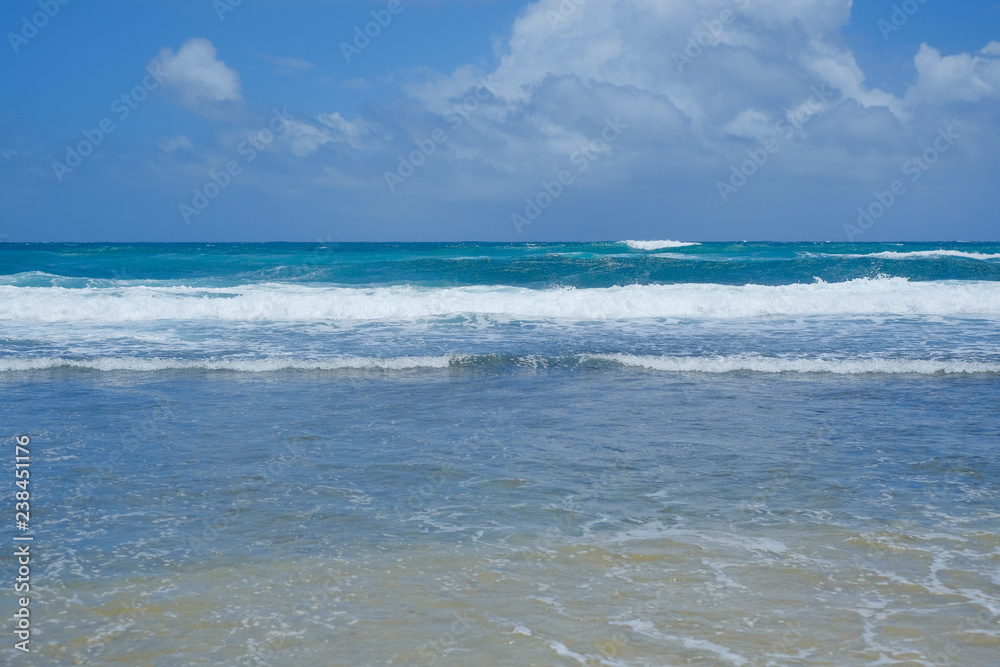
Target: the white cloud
pixel 633 42
pixel 354 133
pixel 841 71
pixel 197 74
pixel 688 75
pixel 697 82
pixel 701 72
pixel 750 124
pixel 305 137
pixel 957 78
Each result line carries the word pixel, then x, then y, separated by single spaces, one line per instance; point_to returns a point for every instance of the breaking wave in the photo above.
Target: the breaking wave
pixel 924 254
pixel 657 245
pixel 669 364
pixel 283 302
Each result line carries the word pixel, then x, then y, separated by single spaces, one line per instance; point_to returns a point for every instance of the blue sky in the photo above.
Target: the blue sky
pixel 499 120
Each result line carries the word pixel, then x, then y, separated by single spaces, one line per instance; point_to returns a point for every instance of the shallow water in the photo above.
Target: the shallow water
pixel 448 516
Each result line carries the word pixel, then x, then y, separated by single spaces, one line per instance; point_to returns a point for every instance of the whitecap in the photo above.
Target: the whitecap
pixel 923 254
pixel 760 364
pixel 657 245
pixel 274 302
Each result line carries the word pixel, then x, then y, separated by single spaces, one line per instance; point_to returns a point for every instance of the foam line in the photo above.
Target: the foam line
pixel 758 364
pixel 284 303
pixel 265 365
pixel 669 364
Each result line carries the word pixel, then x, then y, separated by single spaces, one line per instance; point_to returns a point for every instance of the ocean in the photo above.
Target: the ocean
pixel 626 453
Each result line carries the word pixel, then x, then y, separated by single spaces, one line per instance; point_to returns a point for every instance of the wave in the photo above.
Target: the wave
pixel 293 303
pixel 266 365
pixel 759 364
pixel 656 245
pixel 38 276
pixel 922 254
pixel 669 364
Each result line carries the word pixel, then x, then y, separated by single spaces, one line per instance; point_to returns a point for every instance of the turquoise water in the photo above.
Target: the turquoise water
pixel 541 265
pixel 452 454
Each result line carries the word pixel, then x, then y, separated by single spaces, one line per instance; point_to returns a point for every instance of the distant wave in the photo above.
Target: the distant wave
pixel 657 245
pixel 669 364
pixel 28 275
pixel 288 303
pixel 922 254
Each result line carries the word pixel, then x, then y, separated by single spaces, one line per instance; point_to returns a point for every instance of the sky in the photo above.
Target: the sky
pixel 499 120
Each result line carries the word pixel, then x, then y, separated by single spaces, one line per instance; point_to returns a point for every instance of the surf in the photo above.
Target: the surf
pixel 275 302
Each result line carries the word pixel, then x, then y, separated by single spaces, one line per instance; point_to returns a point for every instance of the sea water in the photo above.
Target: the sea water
pixel 632 453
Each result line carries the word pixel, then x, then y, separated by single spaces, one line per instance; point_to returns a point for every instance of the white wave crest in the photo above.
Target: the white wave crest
pixel 265 365
pixel 757 364
pixel 670 364
pixel 924 254
pixel 287 303
pixel 657 245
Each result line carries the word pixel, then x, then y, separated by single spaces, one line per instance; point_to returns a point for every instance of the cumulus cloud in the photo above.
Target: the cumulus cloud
pixel 963 77
pixel 660 46
pixel 707 72
pixel 689 76
pixel 697 83
pixel 197 74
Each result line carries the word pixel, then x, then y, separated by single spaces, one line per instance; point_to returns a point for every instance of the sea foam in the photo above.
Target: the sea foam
pixel 284 302
pixel 759 364
pixel 656 363
pixel 924 254
pixel 264 365
pixel 657 245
